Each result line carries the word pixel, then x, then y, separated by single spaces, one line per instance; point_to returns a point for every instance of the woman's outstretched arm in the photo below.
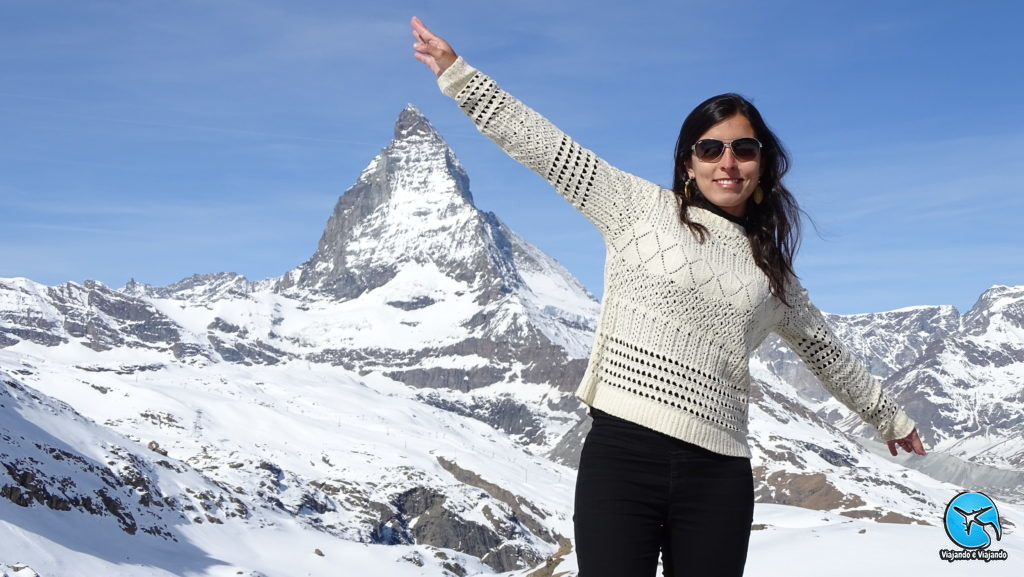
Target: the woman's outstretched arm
pixel 804 329
pixel 608 197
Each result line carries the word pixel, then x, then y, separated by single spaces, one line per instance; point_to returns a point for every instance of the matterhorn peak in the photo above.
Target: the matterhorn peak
pixel 412 123
pixel 411 204
pixel 419 151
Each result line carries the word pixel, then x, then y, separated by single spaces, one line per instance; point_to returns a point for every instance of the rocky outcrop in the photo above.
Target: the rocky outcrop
pixel 125 487
pixel 420 515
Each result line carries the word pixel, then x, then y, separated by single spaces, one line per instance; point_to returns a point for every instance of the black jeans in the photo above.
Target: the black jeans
pixel 640 492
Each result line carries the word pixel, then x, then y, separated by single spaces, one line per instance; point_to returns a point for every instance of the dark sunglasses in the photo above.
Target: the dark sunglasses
pixel 711 149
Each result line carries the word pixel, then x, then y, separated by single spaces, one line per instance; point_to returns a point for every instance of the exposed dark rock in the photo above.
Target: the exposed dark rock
pixel 184 351
pixel 419 515
pixel 526 513
pixel 504 413
pixel 222 325
pixel 417 303
pixel 458 379
pixel 831 457
pixel 808 490
pixel 247 353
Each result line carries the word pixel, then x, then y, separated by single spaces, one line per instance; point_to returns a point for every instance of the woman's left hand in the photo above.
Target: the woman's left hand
pixel 911 444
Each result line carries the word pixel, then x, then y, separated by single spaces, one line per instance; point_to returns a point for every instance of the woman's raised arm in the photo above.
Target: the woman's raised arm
pixel 607 196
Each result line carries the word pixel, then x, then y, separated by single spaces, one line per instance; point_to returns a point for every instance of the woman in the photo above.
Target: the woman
pixel 695 279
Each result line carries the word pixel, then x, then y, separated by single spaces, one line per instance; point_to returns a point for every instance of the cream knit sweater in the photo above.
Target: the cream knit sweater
pixel 679 318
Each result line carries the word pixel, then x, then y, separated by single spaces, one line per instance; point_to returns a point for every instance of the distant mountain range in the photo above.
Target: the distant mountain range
pixel 408 389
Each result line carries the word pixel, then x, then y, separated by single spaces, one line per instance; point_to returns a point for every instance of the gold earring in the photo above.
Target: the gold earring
pixel 688 189
pixel 758 195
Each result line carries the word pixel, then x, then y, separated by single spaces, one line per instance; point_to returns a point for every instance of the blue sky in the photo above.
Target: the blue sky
pixel 158 139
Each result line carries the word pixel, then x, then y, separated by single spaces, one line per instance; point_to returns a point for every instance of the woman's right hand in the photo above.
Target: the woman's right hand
pixel 431 49
pixel 911 444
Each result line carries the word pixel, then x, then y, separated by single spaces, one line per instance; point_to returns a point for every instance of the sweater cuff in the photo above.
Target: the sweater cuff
pixel 900 426
pixel 456 77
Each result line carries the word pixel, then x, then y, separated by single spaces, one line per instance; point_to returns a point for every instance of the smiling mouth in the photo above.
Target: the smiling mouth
pixel 728 181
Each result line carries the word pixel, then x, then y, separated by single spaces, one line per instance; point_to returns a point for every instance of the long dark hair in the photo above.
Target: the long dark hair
pixel 773 226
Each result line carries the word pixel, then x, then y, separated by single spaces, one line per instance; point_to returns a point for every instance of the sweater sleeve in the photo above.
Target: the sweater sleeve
pixel 804 329
pixel 591 185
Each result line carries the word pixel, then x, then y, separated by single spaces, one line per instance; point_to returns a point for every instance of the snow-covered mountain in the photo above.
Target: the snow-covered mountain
pixel 404 399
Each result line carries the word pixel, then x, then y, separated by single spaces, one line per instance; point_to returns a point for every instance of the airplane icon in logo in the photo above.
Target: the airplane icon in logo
pixel 972 519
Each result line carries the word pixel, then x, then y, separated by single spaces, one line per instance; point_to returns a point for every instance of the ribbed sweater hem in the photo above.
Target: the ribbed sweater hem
pixel 653 415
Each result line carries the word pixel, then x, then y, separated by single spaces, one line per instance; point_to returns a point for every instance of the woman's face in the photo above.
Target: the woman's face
pixel 727 182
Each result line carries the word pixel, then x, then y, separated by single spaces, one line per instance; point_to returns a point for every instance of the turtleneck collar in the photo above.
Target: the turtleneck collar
pixel 709 206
